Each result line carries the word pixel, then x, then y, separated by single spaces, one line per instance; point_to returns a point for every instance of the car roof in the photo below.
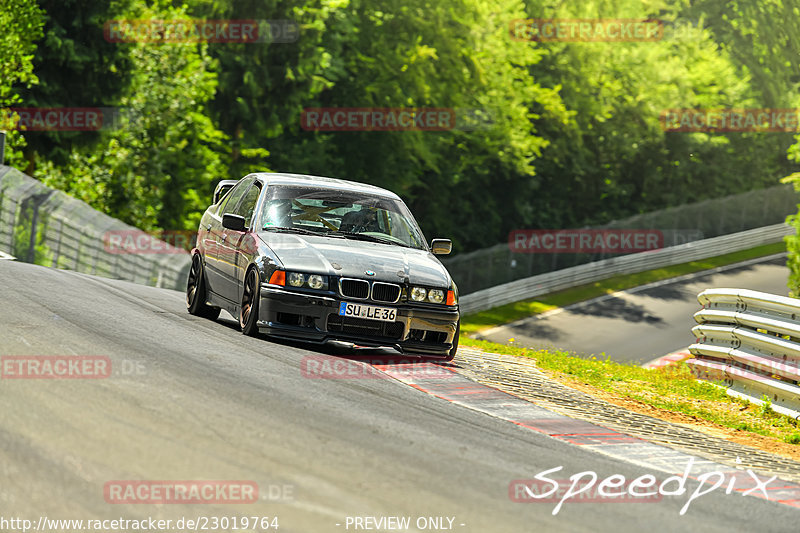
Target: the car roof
pixel 302 180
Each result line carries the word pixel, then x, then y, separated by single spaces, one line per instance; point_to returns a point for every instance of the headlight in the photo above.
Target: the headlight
pixel 436 296
pixel 312 281
pixel 296 279
pixel 418 294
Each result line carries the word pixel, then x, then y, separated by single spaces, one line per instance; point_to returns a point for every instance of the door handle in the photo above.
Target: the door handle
pixel 208 227
pixel 224 237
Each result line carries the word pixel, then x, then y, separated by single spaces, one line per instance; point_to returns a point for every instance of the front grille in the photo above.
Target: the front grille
pixel 354 288
pixel 365 328
pixel 385 292
pixel 361 289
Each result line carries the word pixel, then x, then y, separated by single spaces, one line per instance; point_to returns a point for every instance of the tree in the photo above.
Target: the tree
pixel 158 169
pixel 21 23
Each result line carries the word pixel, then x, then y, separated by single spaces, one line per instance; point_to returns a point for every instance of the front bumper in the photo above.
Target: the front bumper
pixel 314 318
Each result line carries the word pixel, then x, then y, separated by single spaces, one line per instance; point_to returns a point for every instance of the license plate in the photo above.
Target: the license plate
pixel 370 312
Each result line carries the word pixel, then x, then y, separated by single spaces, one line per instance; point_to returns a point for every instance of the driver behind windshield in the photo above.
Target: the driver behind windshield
pixel 360 221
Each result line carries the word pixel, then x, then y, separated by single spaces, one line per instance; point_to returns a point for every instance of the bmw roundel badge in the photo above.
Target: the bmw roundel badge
pixel 369 273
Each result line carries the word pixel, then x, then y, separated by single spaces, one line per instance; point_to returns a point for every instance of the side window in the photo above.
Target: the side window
pixel 248 204
pixel 234 196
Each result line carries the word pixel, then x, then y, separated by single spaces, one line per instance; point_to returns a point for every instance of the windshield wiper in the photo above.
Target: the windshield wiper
pixel 284 229
pixel 371 238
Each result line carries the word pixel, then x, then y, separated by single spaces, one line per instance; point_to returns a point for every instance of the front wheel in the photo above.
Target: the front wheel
pixel 251 295
pixel 196 292
pixel 452 353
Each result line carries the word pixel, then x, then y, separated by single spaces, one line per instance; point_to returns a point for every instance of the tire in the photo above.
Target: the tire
pixel 248 311
pixel 196 292
pixel 452 353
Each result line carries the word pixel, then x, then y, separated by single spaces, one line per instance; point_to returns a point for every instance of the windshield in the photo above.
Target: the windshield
pixel 340 213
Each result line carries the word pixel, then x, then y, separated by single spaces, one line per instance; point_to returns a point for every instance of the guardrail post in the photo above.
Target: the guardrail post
pixel 2 147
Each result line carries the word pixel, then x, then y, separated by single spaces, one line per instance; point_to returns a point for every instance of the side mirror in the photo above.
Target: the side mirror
pixel 233 222
pixel 441 246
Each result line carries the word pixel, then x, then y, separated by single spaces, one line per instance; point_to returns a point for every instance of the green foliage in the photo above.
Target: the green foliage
pixel 76 67
pixel 21 23
pixel 793 242
pixel 159 168
pixel 765 408
pixel 575 136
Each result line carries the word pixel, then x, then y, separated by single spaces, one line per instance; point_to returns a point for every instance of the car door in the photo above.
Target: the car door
pixel 237 247
pixel 215 255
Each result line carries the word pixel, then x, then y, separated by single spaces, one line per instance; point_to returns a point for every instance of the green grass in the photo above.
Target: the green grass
pixel 474 323
pixel 673 388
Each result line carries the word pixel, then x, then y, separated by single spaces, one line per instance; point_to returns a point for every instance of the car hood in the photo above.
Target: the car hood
pixel 352 258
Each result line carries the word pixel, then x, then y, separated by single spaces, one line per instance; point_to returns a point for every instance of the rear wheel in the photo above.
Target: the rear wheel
pixel 248 311
pixel 196 292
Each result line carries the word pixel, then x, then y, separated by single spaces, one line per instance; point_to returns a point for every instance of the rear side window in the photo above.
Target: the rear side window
pixel 234 196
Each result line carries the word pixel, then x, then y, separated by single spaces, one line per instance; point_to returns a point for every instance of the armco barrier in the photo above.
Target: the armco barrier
pixel 499 264
pixel 48 227
pixel 627 264
pixel 750 341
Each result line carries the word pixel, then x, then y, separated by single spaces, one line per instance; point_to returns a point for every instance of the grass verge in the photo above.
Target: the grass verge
pixel 673 389
pixel 474 323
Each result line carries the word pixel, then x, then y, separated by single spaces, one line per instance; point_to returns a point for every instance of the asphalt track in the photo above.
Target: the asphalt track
pixel 640 324
pixel 191 399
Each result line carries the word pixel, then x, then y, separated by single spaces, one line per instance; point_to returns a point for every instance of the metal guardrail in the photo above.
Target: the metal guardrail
pixel 499 264
pixel 750 341
pixel 627 264
pixel 48 227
